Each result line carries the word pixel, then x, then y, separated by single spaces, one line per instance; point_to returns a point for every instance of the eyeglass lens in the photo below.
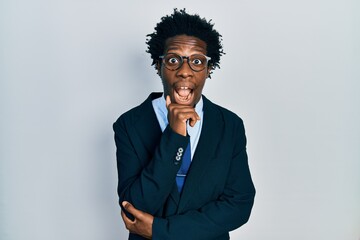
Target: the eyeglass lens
pixel 197 62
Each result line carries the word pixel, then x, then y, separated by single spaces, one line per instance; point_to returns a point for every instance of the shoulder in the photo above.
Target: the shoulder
pixel 142 110
pixel 230 124
pixel 227 115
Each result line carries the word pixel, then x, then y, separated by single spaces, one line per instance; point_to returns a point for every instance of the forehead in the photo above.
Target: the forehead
pixel 184 42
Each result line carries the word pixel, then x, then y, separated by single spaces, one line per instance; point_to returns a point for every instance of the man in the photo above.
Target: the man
pixel 182 162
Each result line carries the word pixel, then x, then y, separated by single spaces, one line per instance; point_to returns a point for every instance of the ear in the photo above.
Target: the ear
pixel 209 69
pixel 158 67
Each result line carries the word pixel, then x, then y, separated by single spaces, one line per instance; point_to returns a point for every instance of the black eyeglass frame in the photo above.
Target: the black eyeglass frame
pixel 182 61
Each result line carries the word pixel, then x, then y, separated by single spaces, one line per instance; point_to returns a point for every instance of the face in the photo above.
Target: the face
pixel 184 85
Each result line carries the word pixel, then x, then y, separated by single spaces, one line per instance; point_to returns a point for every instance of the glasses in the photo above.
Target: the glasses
pixel 197 62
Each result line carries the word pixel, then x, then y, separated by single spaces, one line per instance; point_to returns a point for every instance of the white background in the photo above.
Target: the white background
pixel 69 68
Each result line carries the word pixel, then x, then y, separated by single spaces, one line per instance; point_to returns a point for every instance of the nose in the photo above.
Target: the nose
pixel 185 71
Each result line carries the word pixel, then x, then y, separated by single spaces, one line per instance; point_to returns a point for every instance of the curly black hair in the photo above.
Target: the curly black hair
pixel 180 23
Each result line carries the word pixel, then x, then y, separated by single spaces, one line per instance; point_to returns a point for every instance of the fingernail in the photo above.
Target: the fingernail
pixel 124 203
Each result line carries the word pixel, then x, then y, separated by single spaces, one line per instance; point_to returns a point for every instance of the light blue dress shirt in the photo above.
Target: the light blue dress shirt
pixel 159 105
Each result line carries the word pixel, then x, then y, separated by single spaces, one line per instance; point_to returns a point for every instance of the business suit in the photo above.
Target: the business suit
pixel 218 193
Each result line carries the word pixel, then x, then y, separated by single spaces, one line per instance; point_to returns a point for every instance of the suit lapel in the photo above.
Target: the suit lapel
pixel 205 151
pixel 145 117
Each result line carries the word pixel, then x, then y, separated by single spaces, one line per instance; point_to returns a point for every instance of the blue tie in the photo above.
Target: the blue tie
pixel 181 175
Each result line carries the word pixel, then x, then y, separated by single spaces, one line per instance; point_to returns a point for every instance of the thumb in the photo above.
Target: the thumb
pixel 125 204
pixel 168 101
pixel 130 208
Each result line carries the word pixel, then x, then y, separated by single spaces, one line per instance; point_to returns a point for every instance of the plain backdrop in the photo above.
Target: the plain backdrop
pixel 69 68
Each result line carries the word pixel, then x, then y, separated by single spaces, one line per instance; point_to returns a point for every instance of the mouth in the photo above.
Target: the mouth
pixel 183 94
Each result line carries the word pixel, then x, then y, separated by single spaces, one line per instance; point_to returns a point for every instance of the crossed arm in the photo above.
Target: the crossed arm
pixel 142 222
pixel 231 210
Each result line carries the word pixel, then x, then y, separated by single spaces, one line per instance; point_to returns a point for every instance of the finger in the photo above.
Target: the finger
pixel 128 223
pixel 189 115
pixel 131 209
pixel 192 120
pixel 126 219
pixel 178 108
pixel 168 101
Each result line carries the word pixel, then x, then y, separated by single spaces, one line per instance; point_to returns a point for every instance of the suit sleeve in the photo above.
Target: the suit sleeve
pixel 231 210
pixel 146 183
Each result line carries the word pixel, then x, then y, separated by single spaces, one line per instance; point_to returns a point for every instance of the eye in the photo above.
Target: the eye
pixel 173 60
pixel 197 61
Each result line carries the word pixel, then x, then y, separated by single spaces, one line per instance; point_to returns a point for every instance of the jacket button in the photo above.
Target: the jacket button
pixel 180 150
pixel 179 154
pixel 178 158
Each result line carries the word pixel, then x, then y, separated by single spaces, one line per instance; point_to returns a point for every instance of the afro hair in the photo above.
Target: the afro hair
pixel 182 23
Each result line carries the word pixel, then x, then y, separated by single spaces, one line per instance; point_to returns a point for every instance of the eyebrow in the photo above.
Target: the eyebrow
pixel 198 49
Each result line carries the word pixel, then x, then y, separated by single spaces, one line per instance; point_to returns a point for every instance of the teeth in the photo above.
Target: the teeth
pixel 184 93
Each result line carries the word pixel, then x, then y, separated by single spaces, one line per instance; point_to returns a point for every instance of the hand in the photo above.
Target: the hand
pixel 141 225
pixel 178 115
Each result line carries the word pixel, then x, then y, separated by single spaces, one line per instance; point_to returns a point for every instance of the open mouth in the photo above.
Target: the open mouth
pixel 183 94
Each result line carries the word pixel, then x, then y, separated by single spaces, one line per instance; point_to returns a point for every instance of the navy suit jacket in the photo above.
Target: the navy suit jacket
pixel 218 193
